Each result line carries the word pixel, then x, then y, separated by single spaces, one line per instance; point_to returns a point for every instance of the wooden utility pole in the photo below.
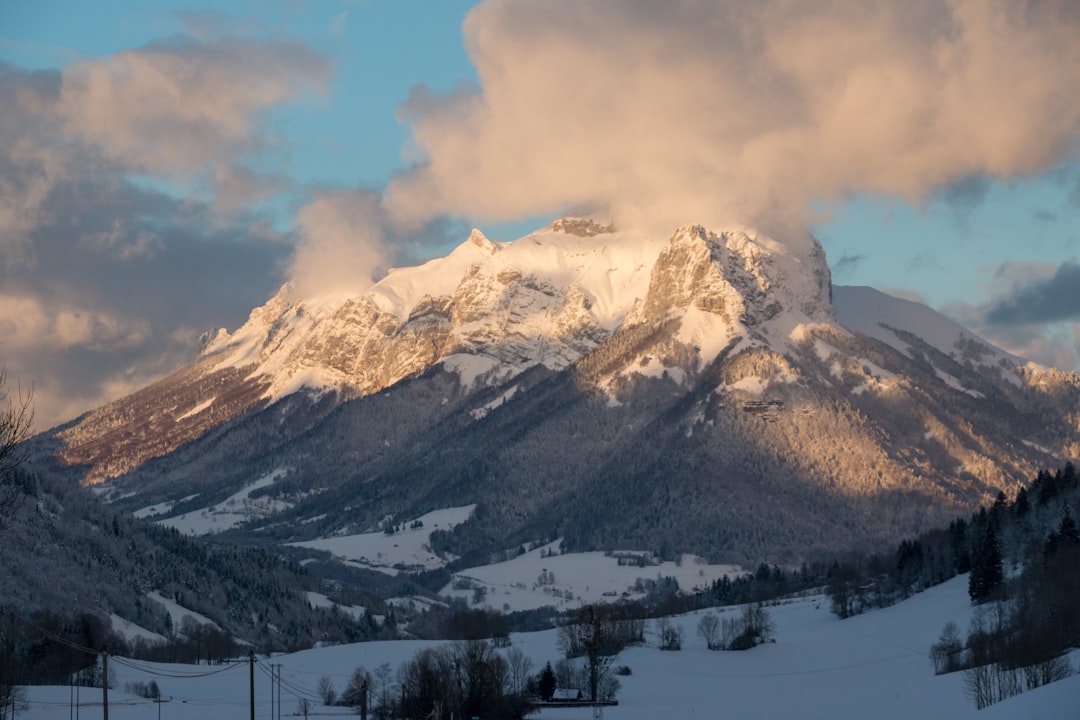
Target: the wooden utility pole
pixel 275 681
pixel 105 680
pixel 251 673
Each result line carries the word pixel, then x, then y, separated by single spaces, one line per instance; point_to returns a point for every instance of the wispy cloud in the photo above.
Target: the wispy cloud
pixel 966 194
pixel 847 263
pixel 183 108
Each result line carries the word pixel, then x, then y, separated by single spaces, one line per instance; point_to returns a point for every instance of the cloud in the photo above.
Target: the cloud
pixel 1051 299
pixel 343 243
pixel 712 111
pixel 847 263
pixel 124 279
pixel 966 194
pixel 183 108
pixel 1053 345
pixel 108 275
pixel 347 242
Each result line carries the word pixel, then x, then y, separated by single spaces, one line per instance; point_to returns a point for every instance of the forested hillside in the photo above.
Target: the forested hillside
pixel 65 553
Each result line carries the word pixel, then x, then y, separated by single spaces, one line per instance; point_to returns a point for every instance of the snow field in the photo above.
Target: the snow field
pixel 234 510
pixel 531 580
pixel 871 666
pixel 409 546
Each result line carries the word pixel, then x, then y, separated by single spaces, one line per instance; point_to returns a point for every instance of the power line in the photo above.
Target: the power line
pixel 134 665
pixel 292 687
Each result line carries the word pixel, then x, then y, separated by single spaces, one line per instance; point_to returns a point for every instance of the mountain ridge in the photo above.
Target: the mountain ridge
pixel 713 368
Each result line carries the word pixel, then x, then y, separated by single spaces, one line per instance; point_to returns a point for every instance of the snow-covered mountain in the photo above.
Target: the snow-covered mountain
pixel 489 311
pixel 600 384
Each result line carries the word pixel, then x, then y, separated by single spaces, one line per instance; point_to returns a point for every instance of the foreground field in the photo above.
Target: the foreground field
pixel 871 666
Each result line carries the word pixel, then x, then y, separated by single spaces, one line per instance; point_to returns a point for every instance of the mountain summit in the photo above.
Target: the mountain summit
pixel 706 391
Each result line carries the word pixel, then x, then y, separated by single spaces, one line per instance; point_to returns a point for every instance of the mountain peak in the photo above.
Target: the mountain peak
pixel 478 239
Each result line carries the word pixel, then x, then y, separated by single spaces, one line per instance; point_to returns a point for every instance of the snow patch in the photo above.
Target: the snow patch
pixel 752 385
pixel 235 510
pixel 469 367
pixel 1041 448
pixel 197 409
pixel 956 384
pixel 407 548
pixel 482 411
pixel 131 632
pixel 319 600
pixel 178 612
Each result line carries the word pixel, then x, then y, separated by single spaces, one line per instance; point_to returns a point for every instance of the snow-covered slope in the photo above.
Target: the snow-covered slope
pixel 888 319
pixel 820 668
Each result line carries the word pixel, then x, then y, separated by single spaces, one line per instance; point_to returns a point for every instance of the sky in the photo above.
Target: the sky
pixel 165 167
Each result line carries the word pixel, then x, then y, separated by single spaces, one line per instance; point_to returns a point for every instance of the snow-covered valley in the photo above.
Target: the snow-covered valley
pixel 871 666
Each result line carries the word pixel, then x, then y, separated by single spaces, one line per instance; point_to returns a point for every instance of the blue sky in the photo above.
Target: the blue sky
pixel 142 212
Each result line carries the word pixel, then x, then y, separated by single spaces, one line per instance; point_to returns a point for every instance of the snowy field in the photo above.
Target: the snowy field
pixel 871 666
pixel 410 546
pixel 235 510
pixel 537 578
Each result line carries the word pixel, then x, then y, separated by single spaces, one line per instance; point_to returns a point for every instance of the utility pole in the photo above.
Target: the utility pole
pixel 275 681
pixel 105 679
pixel 251 673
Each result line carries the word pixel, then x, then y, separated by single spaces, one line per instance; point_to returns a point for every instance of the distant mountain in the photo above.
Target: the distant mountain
pixel 710 391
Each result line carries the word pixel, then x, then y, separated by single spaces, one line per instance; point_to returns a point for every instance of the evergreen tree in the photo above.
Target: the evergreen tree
pixel 986 569
pixel 1020 506
pixel 546 684
pixel 1067 531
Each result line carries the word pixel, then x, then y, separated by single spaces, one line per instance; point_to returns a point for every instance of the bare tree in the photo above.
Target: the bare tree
pixel 326 690
pixel 16 421
pixel 946 653
pixel 520 665
pixel 357 691
pixel 589 633
pixel 671 635
pixel 709 629
pixel 303 707
pixel 384 691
